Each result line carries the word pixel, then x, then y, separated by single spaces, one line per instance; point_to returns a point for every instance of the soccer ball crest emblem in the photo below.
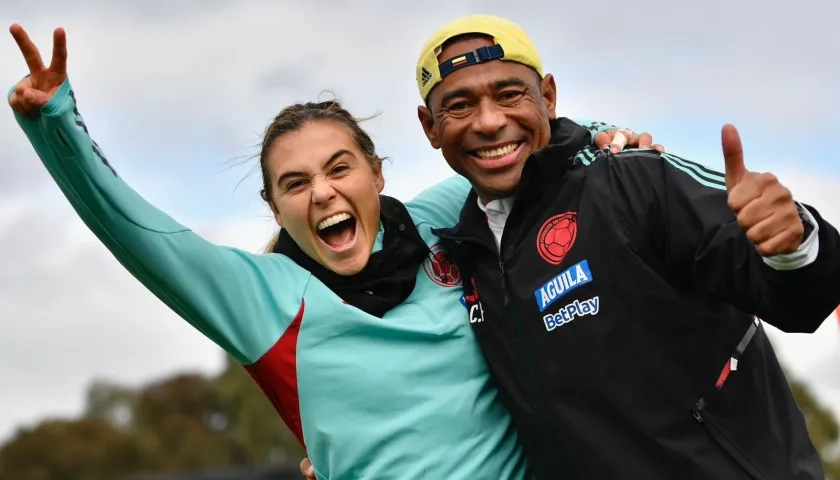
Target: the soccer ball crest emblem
pixel 556 237
pixel 441 269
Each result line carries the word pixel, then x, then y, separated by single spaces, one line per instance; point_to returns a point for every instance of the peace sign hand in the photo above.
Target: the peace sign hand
pixel 36 90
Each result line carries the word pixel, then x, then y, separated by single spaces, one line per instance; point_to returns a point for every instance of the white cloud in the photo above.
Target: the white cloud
pixel 813 359
pixel 71 313
pixel 225 70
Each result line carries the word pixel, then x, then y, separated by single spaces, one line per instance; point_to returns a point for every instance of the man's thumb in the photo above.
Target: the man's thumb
pixel 733 156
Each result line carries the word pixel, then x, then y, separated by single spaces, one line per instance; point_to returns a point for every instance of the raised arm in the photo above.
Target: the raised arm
pixel 231 296
pixel 749 245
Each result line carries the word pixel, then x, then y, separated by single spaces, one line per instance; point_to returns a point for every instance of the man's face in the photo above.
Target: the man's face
pixel 488 118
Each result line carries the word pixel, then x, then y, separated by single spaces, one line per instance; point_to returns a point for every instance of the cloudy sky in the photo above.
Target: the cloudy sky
pixel 176 92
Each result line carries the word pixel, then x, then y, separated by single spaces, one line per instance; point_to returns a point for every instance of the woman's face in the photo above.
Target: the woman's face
pixel 325 193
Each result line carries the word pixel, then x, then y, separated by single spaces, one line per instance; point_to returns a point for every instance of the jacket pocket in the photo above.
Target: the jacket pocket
pixel 719 436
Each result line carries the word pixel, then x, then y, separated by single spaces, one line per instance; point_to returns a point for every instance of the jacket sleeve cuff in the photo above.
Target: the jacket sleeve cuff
pixel 807 252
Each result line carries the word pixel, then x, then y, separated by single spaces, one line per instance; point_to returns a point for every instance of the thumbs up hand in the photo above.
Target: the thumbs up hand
pixel 764 207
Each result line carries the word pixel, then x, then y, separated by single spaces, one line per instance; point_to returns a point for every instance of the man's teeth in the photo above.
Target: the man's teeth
pixel 330 221
pixel 497 152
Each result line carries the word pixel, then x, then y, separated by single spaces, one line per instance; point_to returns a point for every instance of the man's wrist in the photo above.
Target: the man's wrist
pixel 808 250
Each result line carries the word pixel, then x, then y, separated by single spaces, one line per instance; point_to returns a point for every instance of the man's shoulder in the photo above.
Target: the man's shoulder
pixel 650 167
pixel 670 163
pixel 637 160
pixel 636 157
pixel 629 156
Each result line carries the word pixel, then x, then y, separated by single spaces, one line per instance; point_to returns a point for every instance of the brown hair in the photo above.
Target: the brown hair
pixel 293 118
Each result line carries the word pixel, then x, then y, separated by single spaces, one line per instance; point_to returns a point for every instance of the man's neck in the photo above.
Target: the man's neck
pixel 484 199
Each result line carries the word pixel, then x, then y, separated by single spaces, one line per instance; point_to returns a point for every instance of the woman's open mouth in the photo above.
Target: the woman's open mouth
pixel 338 231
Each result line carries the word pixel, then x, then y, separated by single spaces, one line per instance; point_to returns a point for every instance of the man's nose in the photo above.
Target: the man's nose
pixel 489 119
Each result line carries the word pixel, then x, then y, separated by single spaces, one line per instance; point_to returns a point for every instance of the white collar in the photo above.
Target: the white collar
pixel 498 207
pixel 497 211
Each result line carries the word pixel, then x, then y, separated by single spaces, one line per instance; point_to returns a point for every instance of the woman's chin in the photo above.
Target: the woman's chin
pixel 345 262
pixel 351 265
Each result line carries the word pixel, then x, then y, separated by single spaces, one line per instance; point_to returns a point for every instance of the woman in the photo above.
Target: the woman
pixel 366 356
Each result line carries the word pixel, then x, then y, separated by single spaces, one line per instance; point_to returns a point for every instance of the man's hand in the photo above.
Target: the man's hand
pixel 765 208
pixel 36 90
pixel 617 140
pixel 306 469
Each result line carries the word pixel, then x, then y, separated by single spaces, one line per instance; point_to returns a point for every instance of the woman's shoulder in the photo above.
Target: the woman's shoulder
pixel 440 205
pixel 424 228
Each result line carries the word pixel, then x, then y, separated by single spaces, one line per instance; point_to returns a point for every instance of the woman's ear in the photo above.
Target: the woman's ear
pixel 378 178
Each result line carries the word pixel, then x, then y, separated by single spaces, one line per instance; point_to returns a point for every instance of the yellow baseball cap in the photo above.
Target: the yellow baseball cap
pixel 512 45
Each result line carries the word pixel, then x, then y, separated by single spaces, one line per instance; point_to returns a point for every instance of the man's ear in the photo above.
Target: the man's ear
pixel 549 95
pixel 427 120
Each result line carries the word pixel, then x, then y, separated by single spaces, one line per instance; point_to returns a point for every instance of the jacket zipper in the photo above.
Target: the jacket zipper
pixel 722 440
pixel 523 339
pixel 718 435
pixel 534 393
pixel 511 312
pixel 504 282
pixel 536 399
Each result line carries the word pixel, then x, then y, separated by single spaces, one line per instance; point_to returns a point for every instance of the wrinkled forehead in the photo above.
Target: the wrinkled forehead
pixel 479 78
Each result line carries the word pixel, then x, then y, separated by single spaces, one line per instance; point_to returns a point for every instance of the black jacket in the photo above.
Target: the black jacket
pixel 623 288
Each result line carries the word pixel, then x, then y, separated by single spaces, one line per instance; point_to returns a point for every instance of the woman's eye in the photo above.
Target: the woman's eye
pixel 294 185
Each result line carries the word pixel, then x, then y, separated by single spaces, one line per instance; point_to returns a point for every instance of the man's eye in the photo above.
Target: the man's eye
pixel 510 96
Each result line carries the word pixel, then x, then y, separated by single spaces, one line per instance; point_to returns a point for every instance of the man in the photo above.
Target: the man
pixel 614 297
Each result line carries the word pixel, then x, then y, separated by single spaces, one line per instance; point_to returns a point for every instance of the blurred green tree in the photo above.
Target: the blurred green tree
pixel 83 449
pixel 191 422
pixel 181 423
pixel 822 427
